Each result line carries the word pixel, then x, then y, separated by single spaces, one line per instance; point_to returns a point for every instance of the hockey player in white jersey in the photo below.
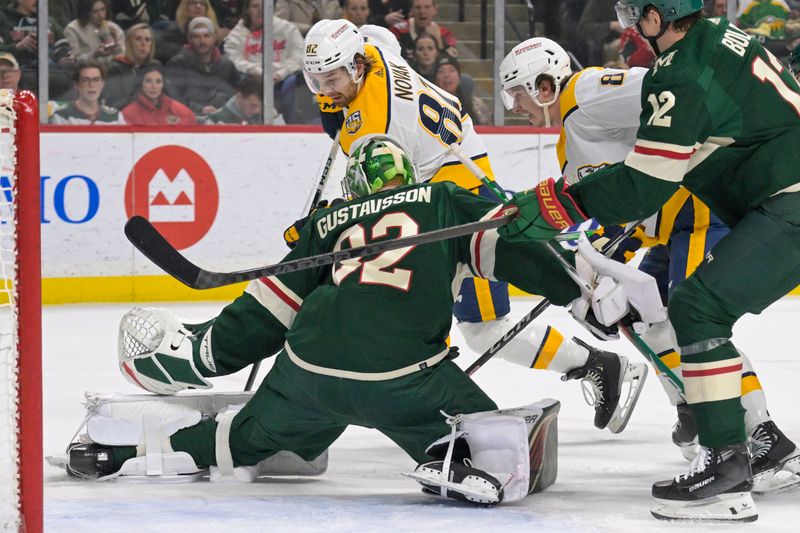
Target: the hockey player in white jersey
pixel 598 110
pixel 378 93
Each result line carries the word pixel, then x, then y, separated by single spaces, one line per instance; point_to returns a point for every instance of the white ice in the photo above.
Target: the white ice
pixel 603 480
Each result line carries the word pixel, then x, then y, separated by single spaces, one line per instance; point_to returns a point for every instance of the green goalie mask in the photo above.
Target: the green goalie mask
pixel 630 11
pixel 374 163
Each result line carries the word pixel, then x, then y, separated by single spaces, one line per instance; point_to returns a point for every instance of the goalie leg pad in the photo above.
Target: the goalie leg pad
pixel 155 352
pixel 517 447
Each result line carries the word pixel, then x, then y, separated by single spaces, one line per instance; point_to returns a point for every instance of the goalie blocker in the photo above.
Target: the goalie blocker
pixel 494 456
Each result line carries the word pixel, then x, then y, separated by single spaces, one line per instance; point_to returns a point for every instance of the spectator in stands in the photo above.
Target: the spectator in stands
pixel 766 19
pixel 423 13
pixel 600 30
pixel 448 77
pixel 9 72
pixel 203 78
pixel 356 11
pixel 306 13
pixel 245 106
pixel 387 13
pixel 92 35
pixel 61 71
pixel 18 30
pixel 151 106
pixel 86 109
pixel 228 14
pixel 425 56
pixel 243 47
pixel 124 69
pixel 635 50
pixel 130 12
pixel 172 36
pixel 62 11
pixel 719 8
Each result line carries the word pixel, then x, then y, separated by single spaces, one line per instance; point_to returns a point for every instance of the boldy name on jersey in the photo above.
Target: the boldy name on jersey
pixel 347 213
pixel 736 40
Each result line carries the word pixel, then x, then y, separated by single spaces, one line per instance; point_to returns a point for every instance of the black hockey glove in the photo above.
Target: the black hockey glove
pixel 625 250
pixel 292 233
pixel 332 122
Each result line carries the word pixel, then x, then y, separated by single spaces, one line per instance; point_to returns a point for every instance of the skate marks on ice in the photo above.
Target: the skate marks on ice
pixel 603 482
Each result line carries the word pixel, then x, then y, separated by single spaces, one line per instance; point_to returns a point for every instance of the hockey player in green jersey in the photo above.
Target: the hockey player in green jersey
pixel 720 116
pixel 362 342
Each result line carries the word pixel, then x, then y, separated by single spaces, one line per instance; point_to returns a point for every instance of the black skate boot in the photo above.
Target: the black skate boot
pixel 684 433
pixel 604 375
pixel 716 489
pixel 775 460
pixel 89 460
pixel 463 483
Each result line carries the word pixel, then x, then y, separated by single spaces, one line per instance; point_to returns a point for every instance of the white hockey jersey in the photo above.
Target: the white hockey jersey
pixel 600 110
pixel 394 100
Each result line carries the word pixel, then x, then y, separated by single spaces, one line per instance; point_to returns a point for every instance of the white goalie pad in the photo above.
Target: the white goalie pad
pixel 516 446
pixel 618 288
pixel 148 421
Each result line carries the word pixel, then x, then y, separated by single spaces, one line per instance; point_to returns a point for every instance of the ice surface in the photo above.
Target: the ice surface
pixel 603 481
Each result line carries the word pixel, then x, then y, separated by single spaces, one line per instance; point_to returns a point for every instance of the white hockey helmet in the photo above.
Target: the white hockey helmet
pixel 529 60
pixel 331 44
pixel 381 37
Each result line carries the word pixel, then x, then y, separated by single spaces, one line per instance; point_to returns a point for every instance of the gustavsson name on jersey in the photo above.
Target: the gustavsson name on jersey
pixel 345 214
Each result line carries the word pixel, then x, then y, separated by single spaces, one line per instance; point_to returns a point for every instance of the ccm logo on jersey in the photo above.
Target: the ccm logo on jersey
pixel 552 210
pixel 353 123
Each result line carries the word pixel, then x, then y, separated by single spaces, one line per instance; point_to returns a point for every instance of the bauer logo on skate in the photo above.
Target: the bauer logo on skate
pixel 174 188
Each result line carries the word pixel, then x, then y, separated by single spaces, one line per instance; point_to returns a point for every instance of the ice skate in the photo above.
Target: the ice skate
pixel 464 483
pixel 775 460
pixel 90 460
pixel 716 489
pixel 611 384
pixel 684 433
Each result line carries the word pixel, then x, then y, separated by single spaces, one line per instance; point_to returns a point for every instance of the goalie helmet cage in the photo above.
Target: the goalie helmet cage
pixel 20 315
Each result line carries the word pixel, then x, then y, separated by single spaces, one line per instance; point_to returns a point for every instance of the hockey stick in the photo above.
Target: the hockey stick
pixel 155 247
pixel 544 304
pixel 323 180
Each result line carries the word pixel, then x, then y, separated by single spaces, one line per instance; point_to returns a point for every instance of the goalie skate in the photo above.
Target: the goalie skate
pixel 775 460
pixel 716 489
pixel 463 483
pixel 611 384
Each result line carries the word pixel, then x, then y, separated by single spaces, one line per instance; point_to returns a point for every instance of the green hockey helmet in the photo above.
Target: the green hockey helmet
pixel 375 162
pixel 630 11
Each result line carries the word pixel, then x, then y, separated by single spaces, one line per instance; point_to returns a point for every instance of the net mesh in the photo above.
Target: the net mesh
pixel 9 416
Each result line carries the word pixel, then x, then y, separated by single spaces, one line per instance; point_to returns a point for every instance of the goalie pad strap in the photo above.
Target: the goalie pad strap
pixel 222 449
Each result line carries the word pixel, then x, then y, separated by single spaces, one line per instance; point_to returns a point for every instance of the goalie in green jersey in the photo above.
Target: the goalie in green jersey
pixel 720 117
pixel 361 342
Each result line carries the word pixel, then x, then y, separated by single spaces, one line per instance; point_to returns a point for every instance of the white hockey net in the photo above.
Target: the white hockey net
pixel 20 333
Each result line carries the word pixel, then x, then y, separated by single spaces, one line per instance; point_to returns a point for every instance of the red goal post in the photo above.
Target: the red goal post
pixel 20 315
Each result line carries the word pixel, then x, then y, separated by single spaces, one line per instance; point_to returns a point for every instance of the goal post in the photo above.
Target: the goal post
pixel 21 456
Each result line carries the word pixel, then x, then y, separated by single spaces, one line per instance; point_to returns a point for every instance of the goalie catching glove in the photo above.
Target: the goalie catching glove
pixel 543 213
pixel 618 292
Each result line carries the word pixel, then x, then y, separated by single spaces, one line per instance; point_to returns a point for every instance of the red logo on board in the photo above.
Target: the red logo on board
pixel 175 189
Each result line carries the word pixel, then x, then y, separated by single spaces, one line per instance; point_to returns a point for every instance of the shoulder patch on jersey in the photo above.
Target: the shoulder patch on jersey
pixel 663 61
pixel 353 123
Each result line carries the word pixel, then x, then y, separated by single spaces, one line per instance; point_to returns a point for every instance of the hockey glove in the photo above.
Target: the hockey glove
pixel 625 250
pixel 292 233
pixel 543 213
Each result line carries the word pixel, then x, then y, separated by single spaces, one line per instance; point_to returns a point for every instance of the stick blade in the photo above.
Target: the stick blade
pixel 146 238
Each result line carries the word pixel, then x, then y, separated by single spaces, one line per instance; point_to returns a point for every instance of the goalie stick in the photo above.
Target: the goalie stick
pixel 323 179
pixel 146 238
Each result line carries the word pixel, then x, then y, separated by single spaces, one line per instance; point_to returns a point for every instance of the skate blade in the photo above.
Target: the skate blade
pixel 480 495
pixel 723 508
pixel 783 478
pixel 635 376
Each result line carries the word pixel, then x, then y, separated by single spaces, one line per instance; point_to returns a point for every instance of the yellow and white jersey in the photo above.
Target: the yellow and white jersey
pixel 600 109
pixel 396 101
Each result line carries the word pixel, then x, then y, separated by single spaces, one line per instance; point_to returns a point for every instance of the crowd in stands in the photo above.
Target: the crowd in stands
pixel 161 62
